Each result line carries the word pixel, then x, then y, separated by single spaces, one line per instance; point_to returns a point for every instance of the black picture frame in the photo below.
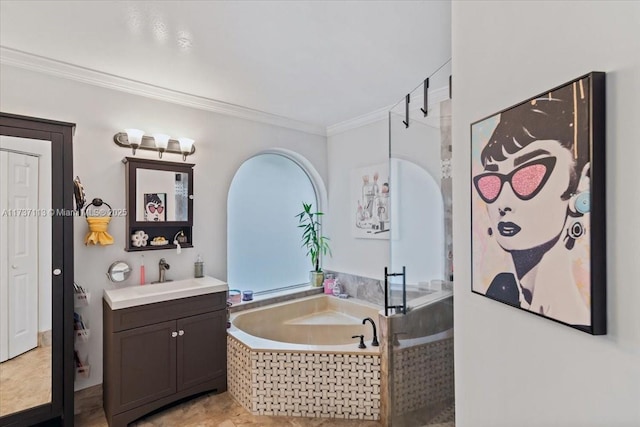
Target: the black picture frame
pixel 538 207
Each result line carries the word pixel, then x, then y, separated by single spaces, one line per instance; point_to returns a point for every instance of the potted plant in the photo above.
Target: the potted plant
pixel 314 241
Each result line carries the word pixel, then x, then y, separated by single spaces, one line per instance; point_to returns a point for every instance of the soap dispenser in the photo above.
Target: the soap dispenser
pixel 337 288
pixel 199 267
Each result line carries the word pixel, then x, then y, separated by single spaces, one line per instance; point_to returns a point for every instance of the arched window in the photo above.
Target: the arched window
pixel 263 239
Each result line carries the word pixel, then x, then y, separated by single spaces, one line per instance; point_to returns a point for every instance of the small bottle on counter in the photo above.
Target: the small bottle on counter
pixel 198 267
pixel 329 281
pixel 337 289
pixel 142 278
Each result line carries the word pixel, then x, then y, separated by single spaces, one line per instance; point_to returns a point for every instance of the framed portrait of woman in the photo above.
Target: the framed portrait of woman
pixel 155 205
pixel 538 205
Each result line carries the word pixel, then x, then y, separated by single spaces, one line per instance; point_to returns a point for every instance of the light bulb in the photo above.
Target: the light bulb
pixel 135 138
pixel 162 142
pixel 185 147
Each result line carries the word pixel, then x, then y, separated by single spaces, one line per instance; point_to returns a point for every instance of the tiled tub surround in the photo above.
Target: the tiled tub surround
pixel 298 359
pixel 360 287
pixel 372 290
pixel 421 361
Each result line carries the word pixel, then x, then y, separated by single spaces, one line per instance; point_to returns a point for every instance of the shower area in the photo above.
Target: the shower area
pixel 419 277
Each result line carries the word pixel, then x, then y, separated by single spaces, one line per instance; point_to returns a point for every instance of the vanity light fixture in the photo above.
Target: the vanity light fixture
pixel 136 139
pixel 162 142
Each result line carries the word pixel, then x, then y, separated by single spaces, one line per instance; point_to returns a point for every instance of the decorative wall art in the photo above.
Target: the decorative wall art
pixel 370 203
pixel 155 206
pixel 538 205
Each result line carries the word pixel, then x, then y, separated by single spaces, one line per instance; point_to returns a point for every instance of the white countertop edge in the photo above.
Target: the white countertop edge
pixel 131 296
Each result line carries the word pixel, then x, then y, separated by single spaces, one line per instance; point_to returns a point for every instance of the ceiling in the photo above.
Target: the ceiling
pixel 318 62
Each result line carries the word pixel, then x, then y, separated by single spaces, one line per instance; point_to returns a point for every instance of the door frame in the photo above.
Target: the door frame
pixel 60 409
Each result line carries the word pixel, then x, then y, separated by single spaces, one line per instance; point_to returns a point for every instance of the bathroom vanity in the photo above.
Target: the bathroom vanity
pixel 162 343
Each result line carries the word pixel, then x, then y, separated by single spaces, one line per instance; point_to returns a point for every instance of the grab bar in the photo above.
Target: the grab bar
pixel 403 307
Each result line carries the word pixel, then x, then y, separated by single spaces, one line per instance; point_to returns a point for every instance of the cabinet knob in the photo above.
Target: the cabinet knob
pixel 181 332
pixel 174 334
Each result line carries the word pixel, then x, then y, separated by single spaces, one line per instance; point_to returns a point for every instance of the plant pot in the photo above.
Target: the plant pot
pixel 316 278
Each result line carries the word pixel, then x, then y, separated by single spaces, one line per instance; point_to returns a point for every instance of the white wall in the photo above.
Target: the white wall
pixel 364 146
pixel 222 143
pixel 513 368
pixel 369 145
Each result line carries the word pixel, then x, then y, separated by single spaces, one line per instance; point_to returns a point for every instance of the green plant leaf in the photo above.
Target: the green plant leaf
pixel 312 240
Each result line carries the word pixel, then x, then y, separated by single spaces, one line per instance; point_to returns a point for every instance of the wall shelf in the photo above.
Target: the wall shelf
pixel 156 248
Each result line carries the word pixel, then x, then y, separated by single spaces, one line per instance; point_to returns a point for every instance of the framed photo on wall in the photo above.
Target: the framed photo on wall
pixel 155 207
pixel 370 202
pixel 538 205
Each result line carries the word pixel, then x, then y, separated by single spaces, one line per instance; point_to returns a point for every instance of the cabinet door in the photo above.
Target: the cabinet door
pixel 202 348
pixel 145 368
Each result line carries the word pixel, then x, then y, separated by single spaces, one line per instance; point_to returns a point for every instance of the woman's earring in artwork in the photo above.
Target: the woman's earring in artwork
pixel 490 231
pixel 574 232
pixel 580 201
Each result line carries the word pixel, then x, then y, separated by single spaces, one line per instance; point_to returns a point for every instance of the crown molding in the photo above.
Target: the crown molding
pixel 41 64
pixel 356 122
pixel 435 96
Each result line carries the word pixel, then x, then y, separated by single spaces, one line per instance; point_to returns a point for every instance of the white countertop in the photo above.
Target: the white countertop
pixel 131 296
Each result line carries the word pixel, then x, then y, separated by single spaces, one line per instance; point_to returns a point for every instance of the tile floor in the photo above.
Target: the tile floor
pixel 221 410
pixel 25 380
pixel 213 410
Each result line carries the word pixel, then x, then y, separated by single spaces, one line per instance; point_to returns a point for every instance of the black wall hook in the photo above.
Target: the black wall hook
pixel 407 100
pixel 425 109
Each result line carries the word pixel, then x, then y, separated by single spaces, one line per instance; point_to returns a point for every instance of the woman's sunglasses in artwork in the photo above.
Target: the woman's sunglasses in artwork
pixel 526 181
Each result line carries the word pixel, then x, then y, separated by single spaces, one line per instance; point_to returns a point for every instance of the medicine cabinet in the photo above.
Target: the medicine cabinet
pixel 159 204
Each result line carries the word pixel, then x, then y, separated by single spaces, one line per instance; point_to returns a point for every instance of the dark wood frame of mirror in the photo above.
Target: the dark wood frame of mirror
pixel 167 229
pixel 60 410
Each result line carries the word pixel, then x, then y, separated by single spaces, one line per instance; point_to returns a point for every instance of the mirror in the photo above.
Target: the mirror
pixel 25 278
pixel 36 271
pixel 159 204
pixel 119 271
pixel 162 195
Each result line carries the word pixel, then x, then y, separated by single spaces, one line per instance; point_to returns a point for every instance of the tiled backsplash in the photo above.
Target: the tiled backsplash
pixel 363 288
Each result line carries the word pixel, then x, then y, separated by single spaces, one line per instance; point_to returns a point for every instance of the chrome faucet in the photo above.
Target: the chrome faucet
pixel 163 266
pixel 374 342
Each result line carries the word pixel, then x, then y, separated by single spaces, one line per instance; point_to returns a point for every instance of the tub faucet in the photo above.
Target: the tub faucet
pixel 361 345
pixel 163 266
pixel 375 335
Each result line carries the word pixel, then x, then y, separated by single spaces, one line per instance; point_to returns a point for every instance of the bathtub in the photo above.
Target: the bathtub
pixel 320 322
pixel 298 359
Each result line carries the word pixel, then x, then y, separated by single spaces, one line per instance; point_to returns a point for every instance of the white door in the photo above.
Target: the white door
pixel 20 276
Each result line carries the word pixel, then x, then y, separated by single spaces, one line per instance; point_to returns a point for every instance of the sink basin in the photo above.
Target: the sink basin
pixel 132 296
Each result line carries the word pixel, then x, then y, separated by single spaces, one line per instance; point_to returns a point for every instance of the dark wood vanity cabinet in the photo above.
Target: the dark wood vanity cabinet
pixel 158 353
